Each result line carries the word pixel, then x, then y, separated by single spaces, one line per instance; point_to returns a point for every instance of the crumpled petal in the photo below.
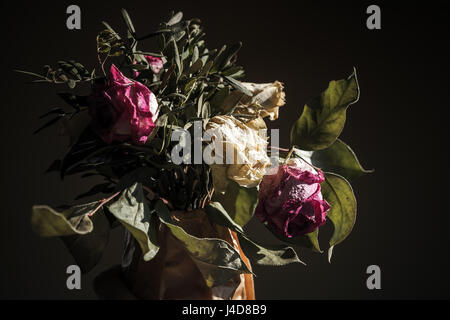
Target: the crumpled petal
pixel 249 152
pixel 266 100
pixel 129 106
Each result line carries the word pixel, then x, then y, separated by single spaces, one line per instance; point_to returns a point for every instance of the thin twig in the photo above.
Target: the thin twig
pixel 102 202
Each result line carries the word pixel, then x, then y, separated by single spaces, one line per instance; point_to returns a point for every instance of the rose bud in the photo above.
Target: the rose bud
pixel 155 63
pixel 135 73
pixel 290 200
pixel 123 109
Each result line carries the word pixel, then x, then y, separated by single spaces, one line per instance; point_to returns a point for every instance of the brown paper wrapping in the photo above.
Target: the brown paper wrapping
pixel 172 274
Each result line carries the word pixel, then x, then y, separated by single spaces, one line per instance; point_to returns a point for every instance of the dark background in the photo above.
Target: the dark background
pixel 397 127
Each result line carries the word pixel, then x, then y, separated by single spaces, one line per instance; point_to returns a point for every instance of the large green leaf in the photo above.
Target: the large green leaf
pixel 239 202
pixel 269 255
pixel 132 211
pixel 217 213
pixel 323 118
pixel 216 259
pixel 87 249
pixel 309 240
pixel 47 222
pixel 339 194
pixel 84 235
pixel 340 159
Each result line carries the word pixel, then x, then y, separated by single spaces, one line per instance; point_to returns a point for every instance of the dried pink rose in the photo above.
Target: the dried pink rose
pixel 291 201
pixel 123 109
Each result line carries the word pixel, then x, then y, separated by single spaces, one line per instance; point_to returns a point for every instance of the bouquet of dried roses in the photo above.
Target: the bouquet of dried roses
pixel 182 148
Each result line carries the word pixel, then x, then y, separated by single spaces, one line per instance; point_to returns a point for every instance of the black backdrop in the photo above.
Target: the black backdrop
pixel 397 127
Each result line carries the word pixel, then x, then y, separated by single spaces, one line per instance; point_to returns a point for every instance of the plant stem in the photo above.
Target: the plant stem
pixel 103 203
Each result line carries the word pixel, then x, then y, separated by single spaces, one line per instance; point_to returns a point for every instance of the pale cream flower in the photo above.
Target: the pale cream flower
pixel 242 150
pixel 266 100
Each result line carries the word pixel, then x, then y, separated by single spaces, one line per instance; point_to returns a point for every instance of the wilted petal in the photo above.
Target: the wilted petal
pixel 244 146
pixel 266 100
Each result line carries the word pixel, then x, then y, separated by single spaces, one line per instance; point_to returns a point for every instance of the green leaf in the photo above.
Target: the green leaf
pixel 138 67
pixel 58 111
pixel 310 240
pixel 273 255
pixel 196 66
pixel 200 106
pixel 216 259
pixel 177 56
pixel 84 235
pixel 206 110
pixel 237 85
pixel 205 70
pixel 88 249
pixel 69 69
pixel 233 71
pixel 195 55
pixel 339 194
pixel 323 118
pixel 128 22
pixel 225 55
pixel 239 202
pixel 219 98
pixel 229 54
pixel 132 211
pixel 217 213
pixel 268 255
pixel 47 222
pixel 167 75
pixel 175 19
pixel 31 74
pixel 190 85
pixel 71 83
pixel 81 69
pixel 231 101
pixel 339 158
pixel 178 36
pixel 111 30
pixel 218 59
pixel 205 56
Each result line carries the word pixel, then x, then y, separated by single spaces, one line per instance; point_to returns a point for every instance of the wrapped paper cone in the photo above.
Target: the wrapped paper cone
pixel 172 274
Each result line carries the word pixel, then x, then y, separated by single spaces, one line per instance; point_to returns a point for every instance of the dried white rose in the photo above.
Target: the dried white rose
pixel 266 99
pixel 240 152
